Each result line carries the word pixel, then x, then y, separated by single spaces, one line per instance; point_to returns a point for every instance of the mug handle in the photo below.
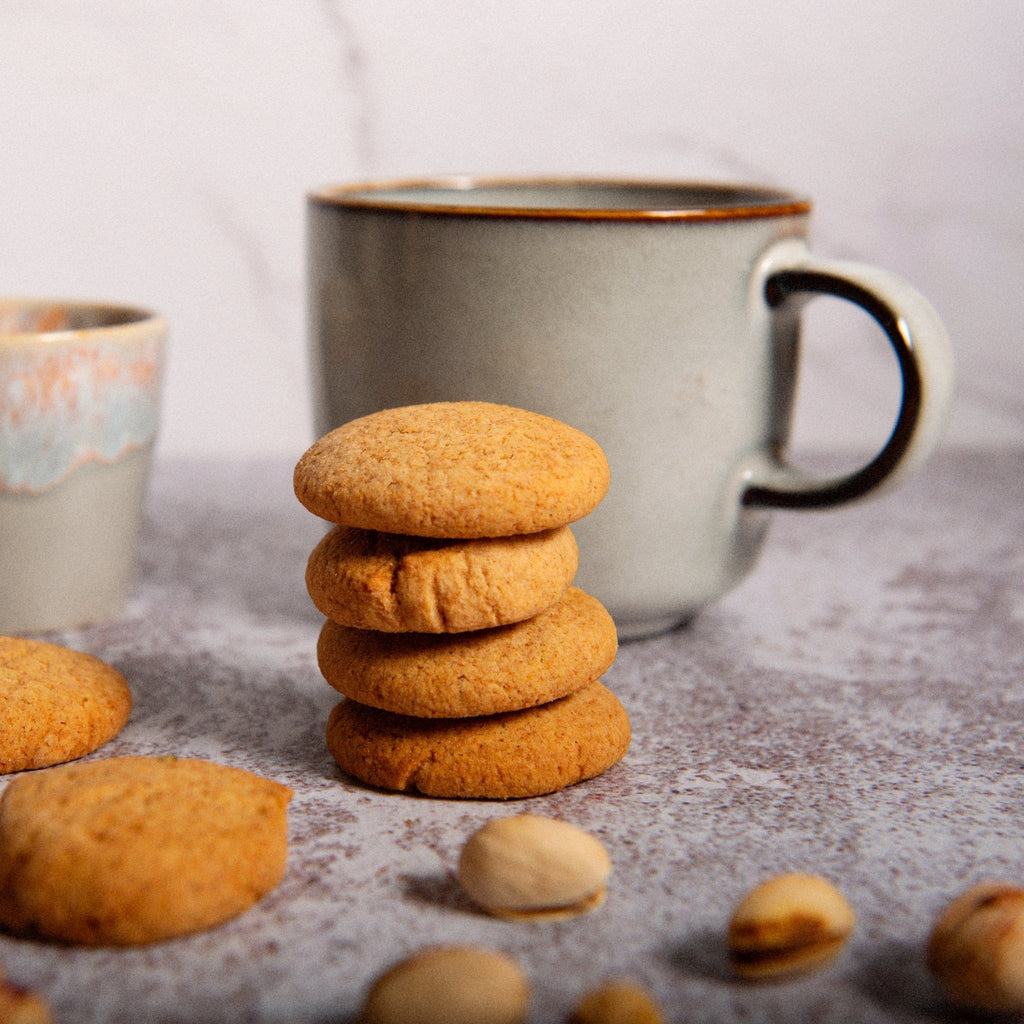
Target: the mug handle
pixel 926 365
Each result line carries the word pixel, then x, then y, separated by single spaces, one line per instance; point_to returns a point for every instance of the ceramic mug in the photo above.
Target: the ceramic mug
pixel 662 319
pixel 79 411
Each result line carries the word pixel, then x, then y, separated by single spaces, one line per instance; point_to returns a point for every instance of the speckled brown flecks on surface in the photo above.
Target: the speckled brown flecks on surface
pixel 854 709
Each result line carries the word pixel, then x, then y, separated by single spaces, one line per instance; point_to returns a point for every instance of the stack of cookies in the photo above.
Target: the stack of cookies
pixel 468 662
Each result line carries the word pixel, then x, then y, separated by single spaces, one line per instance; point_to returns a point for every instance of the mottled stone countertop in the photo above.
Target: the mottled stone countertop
pixel 855 708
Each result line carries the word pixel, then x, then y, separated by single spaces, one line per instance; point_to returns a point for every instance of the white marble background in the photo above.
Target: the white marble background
pixel 159 152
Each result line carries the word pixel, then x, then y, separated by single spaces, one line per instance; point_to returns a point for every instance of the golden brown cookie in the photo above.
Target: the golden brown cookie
pixel 453 469
pixel 498 757
pixel 431 675
pixel 132 850
pixel 396 583
pixel 55 704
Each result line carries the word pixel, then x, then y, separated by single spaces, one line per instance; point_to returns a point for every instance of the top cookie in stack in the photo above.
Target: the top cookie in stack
pixel 453 470
pixel 452 537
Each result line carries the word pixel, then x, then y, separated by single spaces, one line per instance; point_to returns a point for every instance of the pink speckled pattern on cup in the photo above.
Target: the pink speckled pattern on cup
pixel 77 384
pixel 79 411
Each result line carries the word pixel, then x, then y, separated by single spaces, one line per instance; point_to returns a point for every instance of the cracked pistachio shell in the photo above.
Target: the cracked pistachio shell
pixel 976 950
pixel 788 924
pixel 450 985
pixel 534 867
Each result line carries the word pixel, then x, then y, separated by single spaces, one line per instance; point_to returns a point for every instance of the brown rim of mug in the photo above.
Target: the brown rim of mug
pixel 735 201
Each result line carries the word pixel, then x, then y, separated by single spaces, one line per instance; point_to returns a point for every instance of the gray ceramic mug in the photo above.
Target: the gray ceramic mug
pixel 662 319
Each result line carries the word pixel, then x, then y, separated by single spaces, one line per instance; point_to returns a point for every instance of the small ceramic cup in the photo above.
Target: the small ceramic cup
pixel 79 410
pixel 660 318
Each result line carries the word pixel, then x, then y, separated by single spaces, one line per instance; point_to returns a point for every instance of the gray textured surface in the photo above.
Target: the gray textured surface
pixel 855 709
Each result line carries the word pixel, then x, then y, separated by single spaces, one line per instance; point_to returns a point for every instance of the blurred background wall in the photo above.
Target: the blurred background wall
pixel 159 152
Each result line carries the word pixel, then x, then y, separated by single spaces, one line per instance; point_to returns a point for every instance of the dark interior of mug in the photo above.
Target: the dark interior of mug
pixel 20 316
pixel 566 196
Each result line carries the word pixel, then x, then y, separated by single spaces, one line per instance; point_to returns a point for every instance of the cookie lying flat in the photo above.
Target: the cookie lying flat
pixel 499 757
pixel 56 704
pixel 453 469
pixel 507 668
pixel 137 849
pixel 396 583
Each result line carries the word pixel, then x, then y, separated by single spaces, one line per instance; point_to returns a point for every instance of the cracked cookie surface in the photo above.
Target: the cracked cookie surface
pixel 396 583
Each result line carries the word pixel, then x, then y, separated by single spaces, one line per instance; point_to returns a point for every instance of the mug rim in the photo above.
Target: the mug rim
pixel 710 200
pixel 107 319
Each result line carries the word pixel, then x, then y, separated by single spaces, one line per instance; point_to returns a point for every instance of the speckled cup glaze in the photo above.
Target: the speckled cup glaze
pixel 660 318
pixel 79 411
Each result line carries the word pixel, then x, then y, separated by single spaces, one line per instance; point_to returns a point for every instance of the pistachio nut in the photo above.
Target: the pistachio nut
pixel 976 950
pixel 527 866
pixel 617 1002
pixel 450 985
pixel 788 924
pixel 19 1006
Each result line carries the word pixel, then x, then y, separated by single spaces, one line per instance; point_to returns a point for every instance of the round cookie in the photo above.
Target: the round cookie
pixel 397 583
pixel 499 757
pixel 453 469
pixel 133 850
pixel 507 668
pixel 55 704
